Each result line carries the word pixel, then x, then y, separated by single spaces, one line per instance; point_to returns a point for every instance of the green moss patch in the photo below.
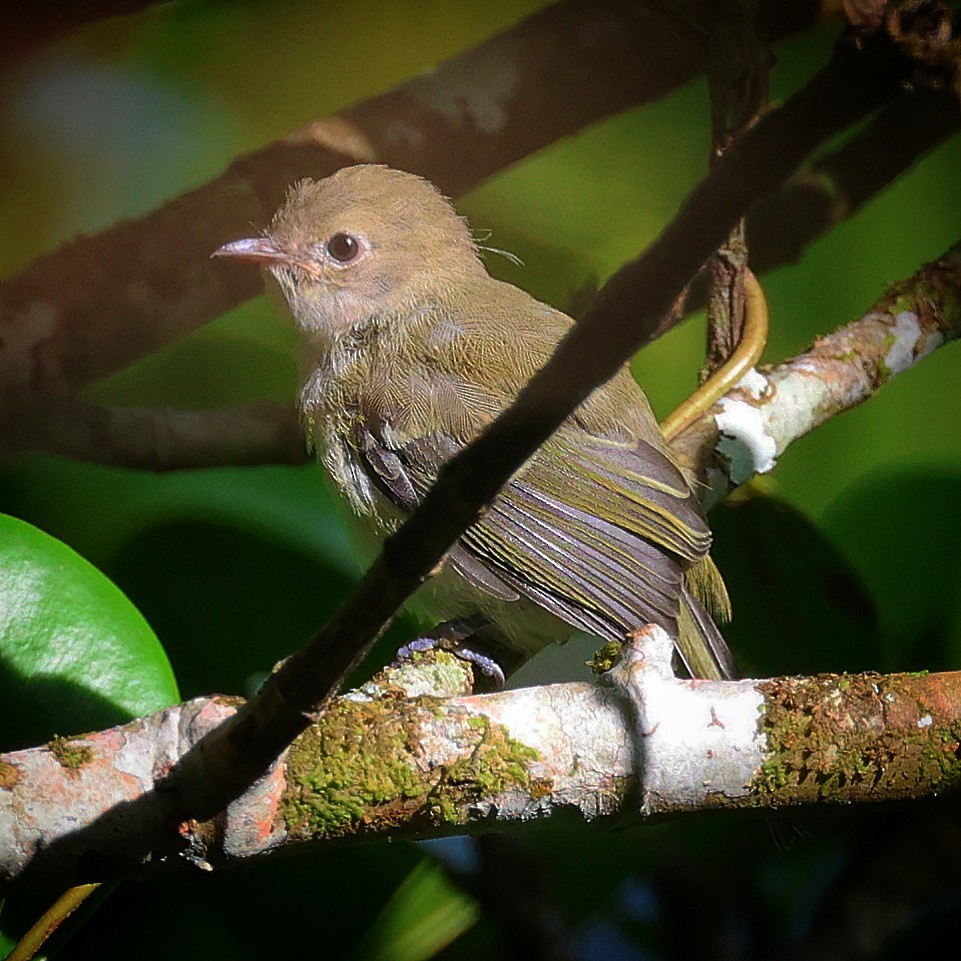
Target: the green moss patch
pixel 70 754
pixel 856 737
pixel 361 769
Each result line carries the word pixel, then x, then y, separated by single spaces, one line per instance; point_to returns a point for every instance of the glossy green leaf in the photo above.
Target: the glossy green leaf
pixel 426 913
pixel 75 654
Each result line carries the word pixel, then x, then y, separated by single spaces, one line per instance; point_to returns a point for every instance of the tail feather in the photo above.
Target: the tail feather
pixel 707 585
pixel 702 649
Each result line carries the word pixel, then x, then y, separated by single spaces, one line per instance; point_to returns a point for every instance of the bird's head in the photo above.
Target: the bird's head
pixel 367 242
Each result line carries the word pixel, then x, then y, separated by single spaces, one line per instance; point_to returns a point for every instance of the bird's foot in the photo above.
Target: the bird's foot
pixel 455 637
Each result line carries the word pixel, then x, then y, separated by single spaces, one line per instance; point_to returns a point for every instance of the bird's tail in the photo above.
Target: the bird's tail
pixel 702 649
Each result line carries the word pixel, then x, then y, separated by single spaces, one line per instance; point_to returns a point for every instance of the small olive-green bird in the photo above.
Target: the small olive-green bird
pixel 410 349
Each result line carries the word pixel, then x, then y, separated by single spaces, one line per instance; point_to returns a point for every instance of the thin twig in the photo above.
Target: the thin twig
pixel 739 68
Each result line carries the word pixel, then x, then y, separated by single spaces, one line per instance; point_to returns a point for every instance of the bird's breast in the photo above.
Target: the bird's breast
pixel 329 401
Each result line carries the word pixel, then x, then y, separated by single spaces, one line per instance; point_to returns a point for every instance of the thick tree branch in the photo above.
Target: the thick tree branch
pixel 438 762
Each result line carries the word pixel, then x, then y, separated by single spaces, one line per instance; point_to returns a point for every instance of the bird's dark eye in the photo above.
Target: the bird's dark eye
pixel 343 248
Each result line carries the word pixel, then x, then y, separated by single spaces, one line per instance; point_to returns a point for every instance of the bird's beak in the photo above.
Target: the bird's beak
pixel 258 249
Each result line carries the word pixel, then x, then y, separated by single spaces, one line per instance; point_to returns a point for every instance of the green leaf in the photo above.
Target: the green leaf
pixel 426 913
pixel 75 654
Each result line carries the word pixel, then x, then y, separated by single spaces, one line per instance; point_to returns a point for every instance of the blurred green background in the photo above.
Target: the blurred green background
pixel 846 558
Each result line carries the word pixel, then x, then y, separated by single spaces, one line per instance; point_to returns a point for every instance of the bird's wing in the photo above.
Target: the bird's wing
pixel 595 530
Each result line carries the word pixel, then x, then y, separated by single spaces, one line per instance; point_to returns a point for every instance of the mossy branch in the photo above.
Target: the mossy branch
pixel 413 755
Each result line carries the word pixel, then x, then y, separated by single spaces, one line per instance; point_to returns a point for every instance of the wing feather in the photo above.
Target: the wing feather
pixel 581 568
pixel 596 531
pixel 635 486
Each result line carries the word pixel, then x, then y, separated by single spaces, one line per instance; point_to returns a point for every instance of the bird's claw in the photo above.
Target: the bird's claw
pixel 454 637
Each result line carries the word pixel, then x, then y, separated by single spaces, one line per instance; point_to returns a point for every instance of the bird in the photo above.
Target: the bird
pixel 409 348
